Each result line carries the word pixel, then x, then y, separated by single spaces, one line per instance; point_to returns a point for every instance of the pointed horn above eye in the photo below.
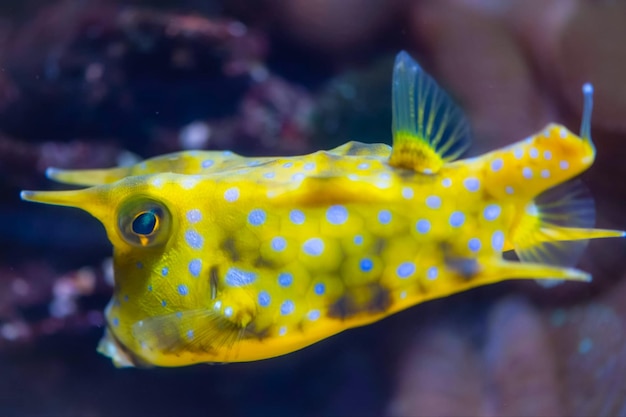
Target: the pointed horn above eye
pixel 84 199
pixel 87 176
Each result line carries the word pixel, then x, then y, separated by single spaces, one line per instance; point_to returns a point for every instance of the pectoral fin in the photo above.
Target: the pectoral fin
pixel 201 330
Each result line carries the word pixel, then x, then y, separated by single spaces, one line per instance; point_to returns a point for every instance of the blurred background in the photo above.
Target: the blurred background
pixel 96 83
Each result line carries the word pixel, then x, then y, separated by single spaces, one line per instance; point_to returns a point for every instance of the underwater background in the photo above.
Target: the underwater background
pixel 92 84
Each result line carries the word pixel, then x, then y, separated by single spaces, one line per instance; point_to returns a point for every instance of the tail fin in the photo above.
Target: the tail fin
pixel 557 226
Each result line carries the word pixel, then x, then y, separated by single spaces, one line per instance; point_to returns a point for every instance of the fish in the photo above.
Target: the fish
pixel 224 258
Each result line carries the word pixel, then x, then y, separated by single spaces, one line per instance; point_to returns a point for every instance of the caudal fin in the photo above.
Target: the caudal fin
pixel 557 226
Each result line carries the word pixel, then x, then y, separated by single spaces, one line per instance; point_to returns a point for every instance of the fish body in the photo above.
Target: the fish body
pixel 223 258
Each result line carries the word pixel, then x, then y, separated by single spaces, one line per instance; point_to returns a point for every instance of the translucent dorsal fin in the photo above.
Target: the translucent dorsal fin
pixel 557 227
pixel 428 128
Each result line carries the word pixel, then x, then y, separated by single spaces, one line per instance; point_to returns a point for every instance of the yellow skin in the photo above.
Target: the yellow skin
pixel 251 258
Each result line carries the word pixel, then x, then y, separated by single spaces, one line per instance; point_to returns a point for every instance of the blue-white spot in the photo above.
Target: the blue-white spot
pixel 217 306
pixel 497 164
pixel 164 271
pixel 287 164
pixel 231 195
pixel 313 246
pixel 163 303
pixel 363 165
pixel 296 216
pixel 547 155
pixel 279 243
pixel 157 182
pixel 471 184
pixel 194 239
pixel 508 189
pixel 236 277
pixel 382 184
pixel 126 298
pixel 207 163
pixel 182 289
pixel 282 331
pixel 228 311
pixel 319 288
pixel 405 269
pixel 497 240
pixel 527 173
pixel 457 219
pixel 139 265
pixel 432 273
pixel 534 153
pixel 422 226
pixel 336 215
pixel 518 153
pixel 189 334
pixel 474 244
pixel 366 264
pixel 545 173
pixel 195 266
pixel 491 212
pixel 285 279
pixel 385 176
pixel 256 217
pixel 384 216
pixel 358 240
pixel 532 210
pixel 407 192
pixel 188 183
pixel 149 288
pixel 194 216
pixel 309 166
pixel 264 299
pixel 115 321
pixel 564 165
pixel 313 315
pixel 298 176
pixel 269 175
pixel 287 307
pixel 446 182
pixel 433 201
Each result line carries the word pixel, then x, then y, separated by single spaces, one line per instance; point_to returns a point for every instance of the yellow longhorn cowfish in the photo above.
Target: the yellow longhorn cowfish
pixel 224 258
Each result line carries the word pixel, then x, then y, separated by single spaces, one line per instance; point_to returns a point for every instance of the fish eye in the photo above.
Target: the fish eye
pixel 144 222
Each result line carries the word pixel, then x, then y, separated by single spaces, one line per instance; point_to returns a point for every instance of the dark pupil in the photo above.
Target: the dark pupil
pixel 144 223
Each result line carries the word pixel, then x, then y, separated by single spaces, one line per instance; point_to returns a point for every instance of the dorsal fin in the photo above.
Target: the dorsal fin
pixel 428 128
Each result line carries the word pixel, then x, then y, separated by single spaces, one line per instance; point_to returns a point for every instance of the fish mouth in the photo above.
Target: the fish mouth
pixel 121 355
